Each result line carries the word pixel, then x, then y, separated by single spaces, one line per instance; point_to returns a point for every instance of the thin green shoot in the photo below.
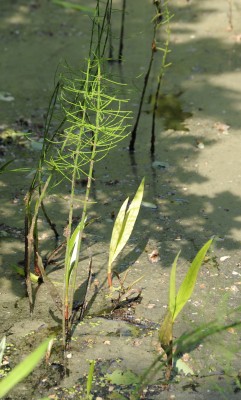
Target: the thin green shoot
pixel 178 301
pixel 90 379
pixel 23 369
pixel 185 291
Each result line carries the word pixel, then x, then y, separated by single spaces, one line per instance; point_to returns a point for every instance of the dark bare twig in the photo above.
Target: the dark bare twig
pixel 146 79
pixel 122 31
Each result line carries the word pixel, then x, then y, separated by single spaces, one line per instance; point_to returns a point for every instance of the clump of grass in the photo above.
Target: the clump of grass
pixel 178 300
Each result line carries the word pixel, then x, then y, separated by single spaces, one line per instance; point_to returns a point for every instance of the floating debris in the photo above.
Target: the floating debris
pixel 5 96
pixel 221 127
pixel 200 145
pixel 149 205
pixel 154 256
pixel 160 165
pixel 224 258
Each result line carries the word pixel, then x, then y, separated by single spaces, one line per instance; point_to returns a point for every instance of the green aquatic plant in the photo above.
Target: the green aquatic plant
pixel 93 120
pixel 123 227
pixel 90 378
pixel 96 123
pixel 178 300
pixel 73 6
pixel 23 369
pixel 188 341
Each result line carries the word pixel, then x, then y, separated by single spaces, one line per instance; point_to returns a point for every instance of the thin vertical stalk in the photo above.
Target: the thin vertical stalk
pixel 110 56
pixel 29 241
pixel 71 271
pixel 164 65
pixel 146 79
pixel 122 31
pixel 230 14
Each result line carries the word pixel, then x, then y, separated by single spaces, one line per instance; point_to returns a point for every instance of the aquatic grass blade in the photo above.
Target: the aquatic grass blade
pixel 172 288
pixel 90 378
pixel 123 226
pixel 130 219
pixel 23 369
pixel 77 230
pixel 165 331
pixel 34 278
pixel 73 6
pixel 116 233
pixel 187 286
pixel 72 249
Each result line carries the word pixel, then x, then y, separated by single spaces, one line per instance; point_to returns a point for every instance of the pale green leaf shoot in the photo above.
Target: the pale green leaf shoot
pixel 124 224
pixel 187 286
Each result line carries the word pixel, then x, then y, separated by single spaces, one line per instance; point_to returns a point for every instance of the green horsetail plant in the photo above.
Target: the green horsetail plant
pixel 94 125
pixel 51 140
pixel 178 301
pixel 123 227
pixel 23 369
pixel 92 122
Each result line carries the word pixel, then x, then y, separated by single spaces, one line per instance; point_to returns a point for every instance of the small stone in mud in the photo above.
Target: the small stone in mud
pixel 154 256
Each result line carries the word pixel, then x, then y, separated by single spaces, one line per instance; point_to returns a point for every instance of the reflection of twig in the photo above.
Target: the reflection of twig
pixel 157 20
pixel 108 12
pixel 50 286
pixel 230 15
pixel 160 76
pixel 122 31
pixel 84 306
pixel 146 79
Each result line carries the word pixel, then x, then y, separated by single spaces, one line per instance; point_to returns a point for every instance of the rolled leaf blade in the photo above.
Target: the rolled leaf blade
pixel 172 288
pixel 165 331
